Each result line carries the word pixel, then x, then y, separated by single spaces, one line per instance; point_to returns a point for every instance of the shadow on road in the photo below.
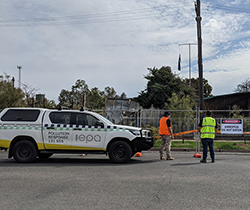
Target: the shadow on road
pixel 69 161
pixel 185 164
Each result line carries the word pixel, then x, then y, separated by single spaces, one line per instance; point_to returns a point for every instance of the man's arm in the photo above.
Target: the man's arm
pixel 216 129
pixel 171 132
pixel 199 127
pixel 169 124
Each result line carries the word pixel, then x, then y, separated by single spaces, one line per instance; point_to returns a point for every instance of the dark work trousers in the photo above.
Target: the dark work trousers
pixel 208 143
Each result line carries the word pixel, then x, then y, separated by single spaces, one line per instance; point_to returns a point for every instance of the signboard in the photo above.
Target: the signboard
pixel 231 126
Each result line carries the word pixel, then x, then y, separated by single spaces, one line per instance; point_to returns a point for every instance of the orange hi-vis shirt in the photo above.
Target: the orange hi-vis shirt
pixel 163 127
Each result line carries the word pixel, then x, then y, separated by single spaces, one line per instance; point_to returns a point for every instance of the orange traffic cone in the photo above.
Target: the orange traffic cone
pixel 138 154
pixel 197 155
pixel 197 146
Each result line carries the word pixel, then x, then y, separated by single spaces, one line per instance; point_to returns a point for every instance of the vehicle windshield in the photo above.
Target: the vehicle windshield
pixel 105 119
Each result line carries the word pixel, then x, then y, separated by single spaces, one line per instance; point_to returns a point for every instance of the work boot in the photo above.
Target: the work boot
pixel 203 161
pixel 170 158
pixel 212 161
pixel 162 158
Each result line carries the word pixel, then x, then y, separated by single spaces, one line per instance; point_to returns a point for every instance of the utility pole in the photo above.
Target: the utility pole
pixel 200 67
pixel 13 81
pixel 19 67
pixel 84 101
pixel 189 44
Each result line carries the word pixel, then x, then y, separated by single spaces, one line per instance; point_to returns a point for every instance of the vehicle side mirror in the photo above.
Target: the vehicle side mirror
pixel 99 123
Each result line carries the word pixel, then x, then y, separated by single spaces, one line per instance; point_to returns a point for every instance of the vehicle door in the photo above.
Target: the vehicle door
pixel 57 130
pixel 89 133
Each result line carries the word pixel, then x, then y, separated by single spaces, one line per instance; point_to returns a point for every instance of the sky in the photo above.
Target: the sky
pixel 114 42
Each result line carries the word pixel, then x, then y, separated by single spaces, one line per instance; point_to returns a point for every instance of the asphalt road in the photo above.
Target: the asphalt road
pixel 93 182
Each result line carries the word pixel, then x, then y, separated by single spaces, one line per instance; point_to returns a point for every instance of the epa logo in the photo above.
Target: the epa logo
pixel 88 138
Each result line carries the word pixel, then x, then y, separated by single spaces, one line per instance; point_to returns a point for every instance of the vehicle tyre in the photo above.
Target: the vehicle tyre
pixel 120 152
pixel 44 155
pixel 24 151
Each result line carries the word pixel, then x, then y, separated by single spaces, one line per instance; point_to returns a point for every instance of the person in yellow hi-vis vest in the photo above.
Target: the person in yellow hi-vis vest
pixel 208 129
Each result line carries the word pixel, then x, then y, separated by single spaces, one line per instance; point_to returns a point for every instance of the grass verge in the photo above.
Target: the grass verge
pixel 217 145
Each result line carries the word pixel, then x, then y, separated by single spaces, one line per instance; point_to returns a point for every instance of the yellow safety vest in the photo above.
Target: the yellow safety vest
pixel 208 128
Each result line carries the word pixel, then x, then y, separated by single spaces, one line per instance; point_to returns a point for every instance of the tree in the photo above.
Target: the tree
pixel 75 97
pixel 109 92
pixel 162 83
pixel 50 104
pixel 80 95
pixel 65 98
pixel 207 88
pixel 95 99
pixel 30 94
pixel 78 92
pixel 25 97
pixel 243 87
pixel 177 102
pixel 181 118
pixel 123 95
pixel 10 96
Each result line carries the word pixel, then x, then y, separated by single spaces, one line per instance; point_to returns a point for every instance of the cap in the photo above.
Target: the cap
pixel 166 113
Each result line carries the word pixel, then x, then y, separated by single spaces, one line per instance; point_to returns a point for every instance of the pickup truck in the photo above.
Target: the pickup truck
pixel 28 133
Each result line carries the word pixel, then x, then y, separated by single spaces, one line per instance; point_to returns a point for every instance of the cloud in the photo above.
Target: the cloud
pixel 112 43
pixel 214 25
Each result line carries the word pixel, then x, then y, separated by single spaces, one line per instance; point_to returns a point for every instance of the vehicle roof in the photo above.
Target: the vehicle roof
pixel 25 108
pixel 38 108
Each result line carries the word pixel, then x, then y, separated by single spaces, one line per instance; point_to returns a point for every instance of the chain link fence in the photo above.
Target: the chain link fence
pixel 182 120
pixel 232 114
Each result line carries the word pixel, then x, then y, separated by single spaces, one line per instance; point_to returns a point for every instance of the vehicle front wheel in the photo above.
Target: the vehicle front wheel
pixel 24 151
pixel 120 152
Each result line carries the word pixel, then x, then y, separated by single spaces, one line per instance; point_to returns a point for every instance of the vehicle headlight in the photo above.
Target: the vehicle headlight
pixel 147 133
pixel 135 132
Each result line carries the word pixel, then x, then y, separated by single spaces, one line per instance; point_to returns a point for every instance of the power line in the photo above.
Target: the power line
pixel 77 17
pixel 225 8
pixel 126 15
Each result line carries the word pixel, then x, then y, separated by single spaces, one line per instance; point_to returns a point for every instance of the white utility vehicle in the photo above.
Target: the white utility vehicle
pixel 29 133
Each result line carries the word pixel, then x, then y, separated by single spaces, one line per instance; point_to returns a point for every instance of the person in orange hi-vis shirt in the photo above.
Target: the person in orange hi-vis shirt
pixel 166 133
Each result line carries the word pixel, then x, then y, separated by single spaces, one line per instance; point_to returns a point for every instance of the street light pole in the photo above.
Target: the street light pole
pixel 19 67
pixel 189 44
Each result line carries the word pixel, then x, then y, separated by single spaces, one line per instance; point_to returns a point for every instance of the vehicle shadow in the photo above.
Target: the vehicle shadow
pixel 185 164
pixel 69 161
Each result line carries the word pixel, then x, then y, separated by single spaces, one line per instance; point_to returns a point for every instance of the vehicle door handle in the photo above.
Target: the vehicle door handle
pixel 50 128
